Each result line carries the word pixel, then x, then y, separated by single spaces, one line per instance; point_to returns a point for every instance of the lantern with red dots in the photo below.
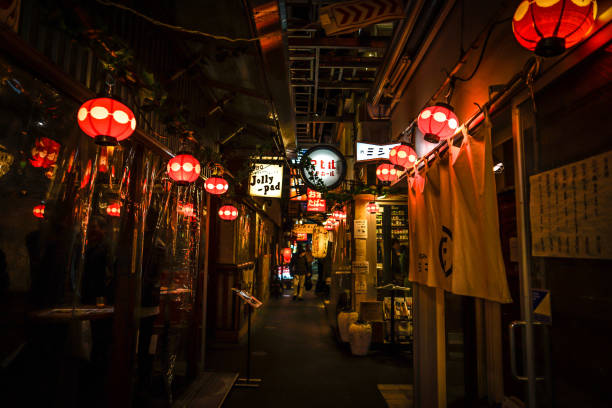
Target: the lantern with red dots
pixel 329 226
pixel 39 211
pixel 106 120
pixel 402 155
pixel 549 27
pixel 438 122
pixel 228 212
pixel 183 169
pixel 372 207
pixel 286 255
pixel 114 210
pixel 216 185
pixel 386 173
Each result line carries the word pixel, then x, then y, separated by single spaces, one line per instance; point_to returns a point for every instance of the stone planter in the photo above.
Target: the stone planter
pixel 345 319
pixel 360 336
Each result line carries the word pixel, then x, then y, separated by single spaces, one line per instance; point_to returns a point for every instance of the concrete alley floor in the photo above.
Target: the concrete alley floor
pixel 301 364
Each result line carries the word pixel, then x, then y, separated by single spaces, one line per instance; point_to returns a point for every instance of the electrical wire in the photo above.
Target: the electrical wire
pixel 482 52
pixel 174 27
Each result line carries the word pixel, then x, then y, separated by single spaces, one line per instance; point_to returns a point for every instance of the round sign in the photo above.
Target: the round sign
pixel 323 167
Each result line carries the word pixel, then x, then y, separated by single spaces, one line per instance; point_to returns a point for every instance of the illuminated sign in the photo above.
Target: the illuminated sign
pixel 367 151
pixel 323 167
pixel 302 237
pixel 315 202
pixel 297 186
pixel 266 180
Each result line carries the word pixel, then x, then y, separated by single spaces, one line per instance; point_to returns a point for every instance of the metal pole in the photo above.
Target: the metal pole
pixel 524 261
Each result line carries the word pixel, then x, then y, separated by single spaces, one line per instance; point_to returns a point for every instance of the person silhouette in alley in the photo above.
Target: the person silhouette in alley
pixel 299 267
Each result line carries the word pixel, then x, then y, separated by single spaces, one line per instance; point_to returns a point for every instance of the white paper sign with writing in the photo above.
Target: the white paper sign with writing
pixel 367 151
pixel 571 210
pixel 266 180
pixel 361 228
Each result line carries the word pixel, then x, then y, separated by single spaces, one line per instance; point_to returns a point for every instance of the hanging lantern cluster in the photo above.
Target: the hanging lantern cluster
pixel 372 207
pixel 549 27
pixel 387 172
pixel 228 212
pixel 184 169
pixel 216 185
pixel 438 122
pixel 39 211
pixel 114 210
pixel 339 215
pixel 106 120
pixel 402 155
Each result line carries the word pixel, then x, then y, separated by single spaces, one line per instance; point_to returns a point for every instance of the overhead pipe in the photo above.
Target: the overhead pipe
pixel 395 50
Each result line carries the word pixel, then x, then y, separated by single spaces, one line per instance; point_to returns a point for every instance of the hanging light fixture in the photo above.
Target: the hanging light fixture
pixel 216 185
pixel 186 209
pixel 106 120
pixel 549 27
pixel 44 153
pixel 386 172
pixel 329 227
pixel 402 155
pixel 438 122
pixel 39 211
pixel 286 255
pixel 228 212
pixel 339 215
pixel 114 210
pixel 184 169
pixel 372 207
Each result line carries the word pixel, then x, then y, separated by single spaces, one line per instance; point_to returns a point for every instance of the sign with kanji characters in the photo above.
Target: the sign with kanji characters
pixel 323 167
pixel 570 210
pixel 301 236
pixel 266 180
pixel 303 228
pixel 367 151
pixel 315 202
pixel 347 16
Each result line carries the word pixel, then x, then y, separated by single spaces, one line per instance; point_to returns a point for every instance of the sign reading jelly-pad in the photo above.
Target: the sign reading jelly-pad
pixel 323 168
pixel 266 180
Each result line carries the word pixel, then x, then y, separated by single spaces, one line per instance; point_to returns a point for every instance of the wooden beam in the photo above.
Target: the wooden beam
pixel 339 42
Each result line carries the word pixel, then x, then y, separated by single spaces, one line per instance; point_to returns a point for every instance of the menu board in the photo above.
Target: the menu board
pixel 399 222
pixel 571 210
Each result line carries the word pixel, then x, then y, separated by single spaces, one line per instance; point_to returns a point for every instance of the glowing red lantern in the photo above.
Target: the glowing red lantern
pixel 402 155
pixel 549 27
pixel 44 153
pixel 339 215
pixel 106 120
pixel 438 122
pixel 228 213
pixel 114 210
pixel 372 207
pixel 39 211
pixel 286 255
pixel 216 185
pixel 386 172
pixel 329 227
pixel 103 161
pixel 184 169
pixel 186 209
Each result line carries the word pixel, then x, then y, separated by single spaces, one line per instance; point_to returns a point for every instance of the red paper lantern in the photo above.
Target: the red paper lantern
pixel 44 153
pixel 106 120
pixel 103 161
pixel 186 209
pixel 184 169
pixel 39 211
pixel 286 255
pixel 114 210
pixel 339 215
pixel 549 27
pixel 329 227
pixel 372 207
pixel 228 213
pixel 438 122
pixel 386 172
pixel 216 185
pixel 402 155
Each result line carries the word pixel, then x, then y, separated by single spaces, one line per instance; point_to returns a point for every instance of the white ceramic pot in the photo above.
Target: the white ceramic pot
pixel 345 319
pixel 360 336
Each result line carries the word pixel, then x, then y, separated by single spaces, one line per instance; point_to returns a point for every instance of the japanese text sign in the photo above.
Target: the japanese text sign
pixel 315 202
pixel 367 151
pixel 323 167
pixel 266 180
